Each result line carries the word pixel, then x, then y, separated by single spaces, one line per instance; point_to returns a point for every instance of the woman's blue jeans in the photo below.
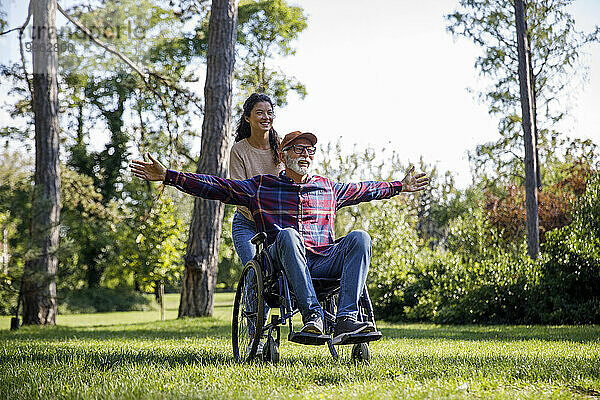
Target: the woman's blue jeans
pixel 242 230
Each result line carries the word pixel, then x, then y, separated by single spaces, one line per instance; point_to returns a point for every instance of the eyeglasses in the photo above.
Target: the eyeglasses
pixel 299 149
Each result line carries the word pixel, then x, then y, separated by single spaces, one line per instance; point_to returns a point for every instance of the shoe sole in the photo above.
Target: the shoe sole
pixel 311 329
pixel 365 329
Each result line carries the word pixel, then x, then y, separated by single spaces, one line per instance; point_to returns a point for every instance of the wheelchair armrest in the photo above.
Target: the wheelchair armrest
pixel 260 237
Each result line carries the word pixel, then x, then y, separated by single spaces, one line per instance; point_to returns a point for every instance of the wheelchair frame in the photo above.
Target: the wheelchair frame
pixel 263 282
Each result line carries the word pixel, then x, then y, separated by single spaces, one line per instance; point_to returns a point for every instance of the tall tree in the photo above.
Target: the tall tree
pixel 200 275
pixel 556 45
pixel 39 279
pixel 527 107
pixel 266 28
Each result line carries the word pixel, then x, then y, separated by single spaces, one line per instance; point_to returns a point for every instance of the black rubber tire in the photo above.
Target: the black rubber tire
pixel 266 353
pixel 331 307
pixel 247 313
pixel 361 353
pixel 273 350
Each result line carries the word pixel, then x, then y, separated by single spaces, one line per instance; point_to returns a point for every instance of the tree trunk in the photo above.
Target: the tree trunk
pixel 531 200
pixel 161 300
pixel 538 175
pixel 200 275
pixel 5 257
pixel 39 276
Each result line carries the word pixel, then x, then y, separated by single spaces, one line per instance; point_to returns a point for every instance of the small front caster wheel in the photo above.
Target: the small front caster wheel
pixel 271 351
pixel 361 353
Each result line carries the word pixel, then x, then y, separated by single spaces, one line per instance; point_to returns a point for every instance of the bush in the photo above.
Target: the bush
pixel 472 281
pixel 395 254
pixel 8 296
pixel 230 266
pixel 102 299
pixel 480 278
pixel 490 290
pixel 569 287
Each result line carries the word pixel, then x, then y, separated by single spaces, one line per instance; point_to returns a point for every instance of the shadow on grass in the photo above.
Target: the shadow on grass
pixel 217 328
pixel 580 334
pixel 420 367
pixel 165 330
pixel 530 368
pixel 104 360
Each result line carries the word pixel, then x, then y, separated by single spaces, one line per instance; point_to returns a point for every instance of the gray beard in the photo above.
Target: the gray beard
pixel 292 163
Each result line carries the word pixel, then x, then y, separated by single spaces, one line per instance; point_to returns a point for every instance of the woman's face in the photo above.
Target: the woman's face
pixel 261 117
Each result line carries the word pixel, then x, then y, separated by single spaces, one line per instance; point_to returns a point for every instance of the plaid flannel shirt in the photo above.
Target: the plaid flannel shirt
pixel 276 202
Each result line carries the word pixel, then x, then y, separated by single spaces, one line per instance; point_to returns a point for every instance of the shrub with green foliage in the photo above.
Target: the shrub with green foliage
pixel 395 255
pixel 101 299
pixel 8 295
pixel 472 281
pixel 569 287
pixel 480 278
pixel 490 290
pixel 230 266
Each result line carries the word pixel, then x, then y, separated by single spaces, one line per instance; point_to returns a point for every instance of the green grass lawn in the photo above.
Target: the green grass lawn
pixel 134 355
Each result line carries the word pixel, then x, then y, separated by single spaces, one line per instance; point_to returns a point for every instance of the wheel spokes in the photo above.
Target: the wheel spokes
pixel 247 313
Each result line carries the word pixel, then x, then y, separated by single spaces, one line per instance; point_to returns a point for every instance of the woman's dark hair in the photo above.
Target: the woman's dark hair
pixel 243 128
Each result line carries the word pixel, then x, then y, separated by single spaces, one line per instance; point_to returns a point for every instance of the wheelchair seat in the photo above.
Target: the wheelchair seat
pixel 325 287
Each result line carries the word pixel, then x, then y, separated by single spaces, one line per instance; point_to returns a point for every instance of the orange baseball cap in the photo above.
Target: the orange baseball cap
pixel 293 136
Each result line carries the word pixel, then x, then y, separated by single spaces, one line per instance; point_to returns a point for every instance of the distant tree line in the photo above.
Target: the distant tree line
pixel 451 255
pixel 122 93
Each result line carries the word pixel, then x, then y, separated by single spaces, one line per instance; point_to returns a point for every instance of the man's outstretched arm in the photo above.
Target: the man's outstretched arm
pixel 348 194
pixel 206 186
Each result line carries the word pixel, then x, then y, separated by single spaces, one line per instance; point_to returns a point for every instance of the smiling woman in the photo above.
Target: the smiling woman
pixel 254 153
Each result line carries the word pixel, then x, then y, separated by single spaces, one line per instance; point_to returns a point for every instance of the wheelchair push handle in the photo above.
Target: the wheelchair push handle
pixel 260 237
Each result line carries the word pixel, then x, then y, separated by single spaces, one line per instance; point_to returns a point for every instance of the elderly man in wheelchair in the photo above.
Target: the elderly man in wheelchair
pixel 296 211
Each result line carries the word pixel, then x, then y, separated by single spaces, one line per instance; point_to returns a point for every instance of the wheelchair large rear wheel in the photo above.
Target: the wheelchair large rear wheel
pixel 248 310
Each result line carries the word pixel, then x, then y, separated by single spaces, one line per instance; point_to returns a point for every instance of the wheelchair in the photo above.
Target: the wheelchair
pixel 262 284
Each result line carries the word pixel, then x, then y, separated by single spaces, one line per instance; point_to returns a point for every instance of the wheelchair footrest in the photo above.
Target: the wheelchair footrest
pixel 308 338
pixel 359 338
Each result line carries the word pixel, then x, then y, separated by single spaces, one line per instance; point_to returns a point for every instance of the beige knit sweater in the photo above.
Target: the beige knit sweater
pixel 246 161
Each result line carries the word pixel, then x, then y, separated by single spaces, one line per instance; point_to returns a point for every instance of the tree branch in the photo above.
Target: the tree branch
pixel 108 48
pixel 145 75
pixel 24 66
pixel 9 31
pixel 21 28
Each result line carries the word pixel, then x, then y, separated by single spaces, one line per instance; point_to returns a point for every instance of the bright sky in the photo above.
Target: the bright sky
pixel 386 73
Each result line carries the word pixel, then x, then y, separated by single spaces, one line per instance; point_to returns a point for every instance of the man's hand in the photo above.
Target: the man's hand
pixel 414 183
pixel 151 171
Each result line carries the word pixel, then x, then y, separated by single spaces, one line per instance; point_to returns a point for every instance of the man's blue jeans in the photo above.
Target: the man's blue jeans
pixel 348 260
